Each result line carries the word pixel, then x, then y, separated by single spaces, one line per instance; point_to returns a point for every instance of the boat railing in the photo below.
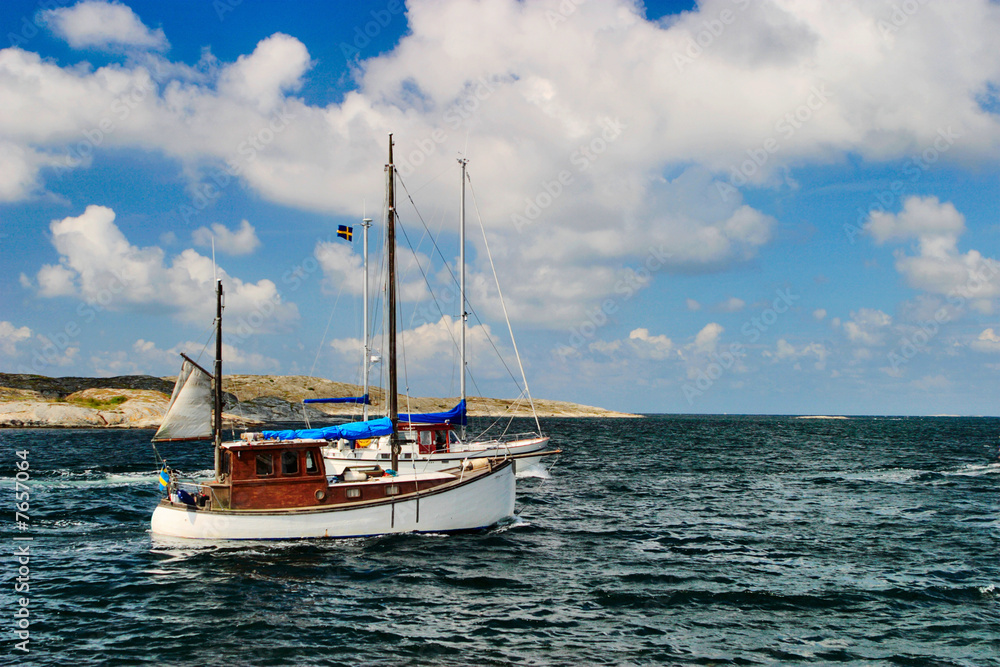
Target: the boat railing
pixel 195 489
pixel 504 439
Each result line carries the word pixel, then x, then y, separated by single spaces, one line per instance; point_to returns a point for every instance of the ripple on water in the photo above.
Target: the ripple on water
pixel 666 540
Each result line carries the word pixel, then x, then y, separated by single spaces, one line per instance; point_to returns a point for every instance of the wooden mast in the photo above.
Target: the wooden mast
pixel 217 426
pixel 391 304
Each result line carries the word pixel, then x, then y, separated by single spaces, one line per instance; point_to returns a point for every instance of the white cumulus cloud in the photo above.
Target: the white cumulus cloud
pixel 937 266
pixel 867 327
pixel 96 24
pixel 99 265
pixel 242 241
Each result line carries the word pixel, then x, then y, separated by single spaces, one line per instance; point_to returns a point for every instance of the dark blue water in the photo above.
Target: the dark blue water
pixel 667 540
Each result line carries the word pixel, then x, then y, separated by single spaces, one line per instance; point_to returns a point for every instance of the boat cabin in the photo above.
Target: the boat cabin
pixel 270 475
pixel 290 474
pixel 430 438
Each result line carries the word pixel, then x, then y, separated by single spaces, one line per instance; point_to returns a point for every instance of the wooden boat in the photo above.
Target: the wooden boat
pixel 270 486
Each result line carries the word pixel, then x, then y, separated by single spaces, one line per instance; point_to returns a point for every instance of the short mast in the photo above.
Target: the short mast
pixel 217 427
pixel 461 287
pixel 391 304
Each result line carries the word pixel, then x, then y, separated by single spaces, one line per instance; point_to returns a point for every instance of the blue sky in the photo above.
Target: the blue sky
pixel 725 206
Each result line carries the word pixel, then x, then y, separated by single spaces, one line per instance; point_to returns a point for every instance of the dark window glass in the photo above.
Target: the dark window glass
pixel 265 465
pixel 289 463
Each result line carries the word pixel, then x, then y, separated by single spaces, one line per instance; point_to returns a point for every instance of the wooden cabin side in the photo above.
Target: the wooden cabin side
pixel 284 475
pixel 273 476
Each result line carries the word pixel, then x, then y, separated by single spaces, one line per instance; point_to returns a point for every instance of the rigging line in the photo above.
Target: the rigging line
pixel 430 291
pixel 319 349
pixel 441 173
pixel 510 407
pixel 454 279
pixel 208 333
pixel 503 305
pixel 401 344
pixel 451 334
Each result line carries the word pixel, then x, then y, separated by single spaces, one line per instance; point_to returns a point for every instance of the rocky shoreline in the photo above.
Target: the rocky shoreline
pixel 140 401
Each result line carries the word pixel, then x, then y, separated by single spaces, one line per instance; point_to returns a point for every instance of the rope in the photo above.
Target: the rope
pixel 504 305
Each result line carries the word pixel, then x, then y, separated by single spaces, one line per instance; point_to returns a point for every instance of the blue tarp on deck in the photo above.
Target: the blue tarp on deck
pixel 347 399
pixel 456 416
pixel 352 431
pixel 373 428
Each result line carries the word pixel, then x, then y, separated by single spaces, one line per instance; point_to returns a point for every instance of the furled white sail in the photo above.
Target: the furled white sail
pixel 189 414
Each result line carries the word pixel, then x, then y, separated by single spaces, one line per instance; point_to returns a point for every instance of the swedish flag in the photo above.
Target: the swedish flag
pixel 345 232
pixel 164 479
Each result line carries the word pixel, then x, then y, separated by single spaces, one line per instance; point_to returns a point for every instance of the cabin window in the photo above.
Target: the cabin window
pixel 440 441
pixel 311 467
pixel 392 490
pixel 265 465
pixel 289 463
pixel 353 493
pixel 384 456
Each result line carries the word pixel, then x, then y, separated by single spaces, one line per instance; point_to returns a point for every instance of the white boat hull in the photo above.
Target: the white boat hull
pixel 473 504
pixel 336 460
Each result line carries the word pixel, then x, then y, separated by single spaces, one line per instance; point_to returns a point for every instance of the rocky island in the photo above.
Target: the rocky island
pixel 140 401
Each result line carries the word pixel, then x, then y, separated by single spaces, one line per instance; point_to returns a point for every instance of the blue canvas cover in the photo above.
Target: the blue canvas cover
pixel 352 431
pixel 347 399
pixel 456 416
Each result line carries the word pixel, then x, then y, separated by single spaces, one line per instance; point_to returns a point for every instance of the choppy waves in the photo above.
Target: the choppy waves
pixel 687 541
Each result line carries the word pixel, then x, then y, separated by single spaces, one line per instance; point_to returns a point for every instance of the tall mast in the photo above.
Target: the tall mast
pixel 391 304
pixel 217 427
pixel 366 361
pixel 461 285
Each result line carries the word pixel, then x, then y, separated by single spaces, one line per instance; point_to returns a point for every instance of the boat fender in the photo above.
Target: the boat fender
pixel 320 494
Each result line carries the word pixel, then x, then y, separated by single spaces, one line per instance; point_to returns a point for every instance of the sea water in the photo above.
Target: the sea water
pixel 663 540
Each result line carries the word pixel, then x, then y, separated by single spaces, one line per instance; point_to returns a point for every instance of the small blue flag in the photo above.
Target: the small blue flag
pixel 345 232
